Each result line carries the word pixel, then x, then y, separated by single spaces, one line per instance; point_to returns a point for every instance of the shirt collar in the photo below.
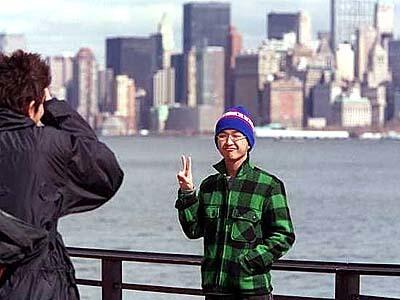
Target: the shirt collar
pixel 243 169
pixel 10 120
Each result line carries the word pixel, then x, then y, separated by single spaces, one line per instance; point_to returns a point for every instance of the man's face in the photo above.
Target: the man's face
pixel 232 145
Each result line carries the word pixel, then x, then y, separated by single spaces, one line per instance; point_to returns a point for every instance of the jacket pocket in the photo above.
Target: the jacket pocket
pixel 244 222
pixel 211 218
pixel 211 212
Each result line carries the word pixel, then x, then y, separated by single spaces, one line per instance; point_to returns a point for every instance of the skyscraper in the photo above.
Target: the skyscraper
pixel 125 101
pixel 234 46
pixel 378 66
pixel 366 39
pixel 139 58
pixel 205 23
pixel 253 68
pixel 305 35
pixel 384 17
pixel 106 91
pixel 284 102
pixel 178 63
pixel 190 81
pixel 61 68
pixel 164 87
pixel 349 15
pixel 84 98
pixel 344 62
pixel 279 24
pixel 210 72
pixel 167 34
pixel 394 62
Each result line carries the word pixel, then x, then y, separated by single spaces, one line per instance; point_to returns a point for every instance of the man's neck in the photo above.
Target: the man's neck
pixel 232 166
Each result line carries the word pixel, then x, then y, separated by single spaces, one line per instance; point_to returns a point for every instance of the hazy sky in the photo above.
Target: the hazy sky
pixel 53 27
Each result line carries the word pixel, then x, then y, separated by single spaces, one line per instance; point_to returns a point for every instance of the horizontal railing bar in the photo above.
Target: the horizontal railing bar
pixel 150 257
pixel 162 289
pixel 88 282
pixel 335 267
pixel 363 297
pixel 183 291
pixel 278 297
pixel 281 265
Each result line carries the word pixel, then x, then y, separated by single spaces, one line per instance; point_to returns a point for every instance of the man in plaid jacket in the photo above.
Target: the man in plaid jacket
pixel 241 212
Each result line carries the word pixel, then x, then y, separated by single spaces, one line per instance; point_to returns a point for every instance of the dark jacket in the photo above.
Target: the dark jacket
pixel 246 226
pixel 45 173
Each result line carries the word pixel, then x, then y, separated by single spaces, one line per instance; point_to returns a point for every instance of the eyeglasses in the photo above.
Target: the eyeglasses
pixel 223 137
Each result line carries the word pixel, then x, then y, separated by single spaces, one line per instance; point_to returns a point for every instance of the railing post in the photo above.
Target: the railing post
pixel 347 286
pixel 111 281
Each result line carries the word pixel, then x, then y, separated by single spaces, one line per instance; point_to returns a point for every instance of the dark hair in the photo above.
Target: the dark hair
pixel 23 78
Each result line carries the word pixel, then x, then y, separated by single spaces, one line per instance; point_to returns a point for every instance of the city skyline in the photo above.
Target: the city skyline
pixel 57 27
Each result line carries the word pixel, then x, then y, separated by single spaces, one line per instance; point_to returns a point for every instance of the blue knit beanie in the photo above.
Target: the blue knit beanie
pixel 237 118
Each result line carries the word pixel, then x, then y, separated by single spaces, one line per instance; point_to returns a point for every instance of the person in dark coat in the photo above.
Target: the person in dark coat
pixel 51 165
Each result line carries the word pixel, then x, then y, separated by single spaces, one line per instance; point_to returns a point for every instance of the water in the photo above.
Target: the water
pixel 343 195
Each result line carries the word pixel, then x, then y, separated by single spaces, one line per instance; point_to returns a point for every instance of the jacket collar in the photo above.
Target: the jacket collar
pixel 244 168
pixel 10 120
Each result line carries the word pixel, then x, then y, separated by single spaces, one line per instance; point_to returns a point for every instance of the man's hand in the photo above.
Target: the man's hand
pixel 47 95
pixel 184 176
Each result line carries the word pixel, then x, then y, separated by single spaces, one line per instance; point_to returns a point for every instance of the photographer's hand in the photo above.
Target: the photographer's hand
pixel 47 95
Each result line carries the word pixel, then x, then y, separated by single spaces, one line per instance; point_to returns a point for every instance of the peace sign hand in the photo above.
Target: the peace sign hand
pixel 184 176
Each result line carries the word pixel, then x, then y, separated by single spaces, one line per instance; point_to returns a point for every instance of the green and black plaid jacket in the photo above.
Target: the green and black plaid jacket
pixel 245 228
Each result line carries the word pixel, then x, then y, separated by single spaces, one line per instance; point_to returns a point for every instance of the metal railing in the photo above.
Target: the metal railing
pixel 347 275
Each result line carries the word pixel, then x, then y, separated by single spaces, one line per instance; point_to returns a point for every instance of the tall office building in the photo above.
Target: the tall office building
pixel 205 23
pixel 84 98
pixel 139 58
pixel 377 98
pixel 190 81
pixel 284 102
pixel 164 87
pixel 305 31
pixel 11 42
pixel 210 72
pixel 324 57
pixel 323 95
pixel 366 39
pixel 234 46
pixel 167 35
pixel 396 104
pixel 347 16
pixel 106 91
pixel 384 17
pixel 394 61
pixel 125 93
pixel 61 68
pixel 253 69
pixel 378 66
pixel 344 62
pixel 178 64
pixel 279 24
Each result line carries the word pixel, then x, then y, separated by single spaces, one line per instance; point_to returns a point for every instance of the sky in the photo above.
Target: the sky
pixel 54 27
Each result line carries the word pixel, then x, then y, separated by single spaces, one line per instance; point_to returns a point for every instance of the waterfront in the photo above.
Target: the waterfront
pixel 343 196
